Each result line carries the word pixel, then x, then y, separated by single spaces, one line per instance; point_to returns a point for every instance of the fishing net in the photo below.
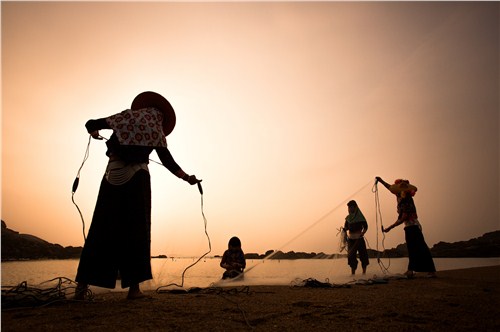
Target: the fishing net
pixel 342 240
pixel 23 295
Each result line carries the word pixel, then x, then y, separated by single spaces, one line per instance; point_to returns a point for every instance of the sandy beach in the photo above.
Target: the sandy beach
pixel 458 300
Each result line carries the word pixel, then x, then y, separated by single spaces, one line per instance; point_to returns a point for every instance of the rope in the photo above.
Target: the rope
pixel 378 215
pixel 75 186
pixel 24 296
pixel 311 226
pixel 314 283
pixel 159 289
pixel 246 289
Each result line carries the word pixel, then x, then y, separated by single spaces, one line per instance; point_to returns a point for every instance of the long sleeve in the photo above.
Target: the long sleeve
pixel 224 258
pixel 167 160
pixel 243 261
pixel 93 125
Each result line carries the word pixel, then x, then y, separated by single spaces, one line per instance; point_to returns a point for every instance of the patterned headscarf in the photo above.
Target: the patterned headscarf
pixel 142 127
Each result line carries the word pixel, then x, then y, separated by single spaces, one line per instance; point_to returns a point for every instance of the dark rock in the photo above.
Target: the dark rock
pixel 16 246
pixel 487 245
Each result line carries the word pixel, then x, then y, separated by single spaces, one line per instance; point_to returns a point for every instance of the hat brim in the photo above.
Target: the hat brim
pixel 397 189
pixel 153 99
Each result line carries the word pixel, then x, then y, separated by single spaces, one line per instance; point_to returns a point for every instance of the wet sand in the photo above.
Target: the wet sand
pixel 458 300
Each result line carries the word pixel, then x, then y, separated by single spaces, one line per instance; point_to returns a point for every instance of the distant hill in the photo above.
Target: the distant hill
pixel 16 246
pixel 289 255
pixel 487 245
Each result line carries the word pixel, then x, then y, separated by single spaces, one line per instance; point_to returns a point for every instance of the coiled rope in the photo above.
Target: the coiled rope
pixel 24 296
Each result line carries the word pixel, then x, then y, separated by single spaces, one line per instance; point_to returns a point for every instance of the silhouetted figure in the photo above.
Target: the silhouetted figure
pixel 356 227
pixel 119 238
pixel 233 260
pixel 419 255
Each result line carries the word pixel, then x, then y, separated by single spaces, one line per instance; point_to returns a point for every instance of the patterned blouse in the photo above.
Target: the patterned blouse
pixel 407 212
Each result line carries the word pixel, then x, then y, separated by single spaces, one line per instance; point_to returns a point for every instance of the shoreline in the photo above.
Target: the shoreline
pixel 458 300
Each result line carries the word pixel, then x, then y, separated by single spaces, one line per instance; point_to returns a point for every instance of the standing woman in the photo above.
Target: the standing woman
pixel 420 258
pixel 119 238
pixel 356 226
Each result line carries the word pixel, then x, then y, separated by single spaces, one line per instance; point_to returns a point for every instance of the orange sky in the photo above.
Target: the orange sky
pixel 284 110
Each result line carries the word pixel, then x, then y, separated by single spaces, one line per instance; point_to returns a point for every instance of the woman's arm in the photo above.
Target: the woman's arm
pixel 397 223
pixel 379 179
pixel 168 161
pixel 365 228
pixel 93 126
pixel 243 261
pixel 223 261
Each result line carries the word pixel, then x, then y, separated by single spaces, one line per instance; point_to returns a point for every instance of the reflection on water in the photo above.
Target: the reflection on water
pixel 208 272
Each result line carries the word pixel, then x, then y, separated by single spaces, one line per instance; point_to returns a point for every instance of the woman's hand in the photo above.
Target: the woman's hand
pixel 191 179
pixel 95 134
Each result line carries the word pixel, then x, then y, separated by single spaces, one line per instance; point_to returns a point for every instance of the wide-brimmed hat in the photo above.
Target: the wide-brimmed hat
pixel 402 187
pixel 153 99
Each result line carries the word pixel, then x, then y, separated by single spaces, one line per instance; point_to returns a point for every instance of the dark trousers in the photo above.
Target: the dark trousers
pixel 419 255
pixel 353 248
pixel 119 238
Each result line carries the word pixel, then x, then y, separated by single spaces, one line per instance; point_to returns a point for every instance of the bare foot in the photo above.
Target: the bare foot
pixel 135 293
pixel 80 291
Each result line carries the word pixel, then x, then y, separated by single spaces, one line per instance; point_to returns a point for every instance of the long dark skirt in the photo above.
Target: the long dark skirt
pixel 420 258
pixel 119 238
pixel 353 248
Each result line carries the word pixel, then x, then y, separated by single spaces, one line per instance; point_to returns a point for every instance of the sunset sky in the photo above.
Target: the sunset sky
pixel 286 110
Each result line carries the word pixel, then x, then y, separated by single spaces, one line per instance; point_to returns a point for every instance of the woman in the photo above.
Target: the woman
pixel 420 258
pixel 119 237
pixel 356 227
pixel 233 260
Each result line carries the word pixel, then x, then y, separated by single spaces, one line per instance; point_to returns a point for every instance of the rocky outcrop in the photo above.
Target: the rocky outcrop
pixel 271 254
pixel 487 245
pixel 16 246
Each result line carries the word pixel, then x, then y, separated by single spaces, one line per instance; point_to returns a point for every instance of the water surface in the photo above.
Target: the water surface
pixel 208 272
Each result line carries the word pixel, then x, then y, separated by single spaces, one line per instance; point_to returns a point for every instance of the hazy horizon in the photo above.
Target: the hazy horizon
pixel 219 255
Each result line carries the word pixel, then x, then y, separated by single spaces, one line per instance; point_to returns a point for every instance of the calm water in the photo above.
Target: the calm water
pixel 208 272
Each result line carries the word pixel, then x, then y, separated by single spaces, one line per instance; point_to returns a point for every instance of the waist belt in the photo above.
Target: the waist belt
pixel 118 172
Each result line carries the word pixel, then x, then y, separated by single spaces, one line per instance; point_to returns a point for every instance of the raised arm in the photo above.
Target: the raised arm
pixel 379 179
